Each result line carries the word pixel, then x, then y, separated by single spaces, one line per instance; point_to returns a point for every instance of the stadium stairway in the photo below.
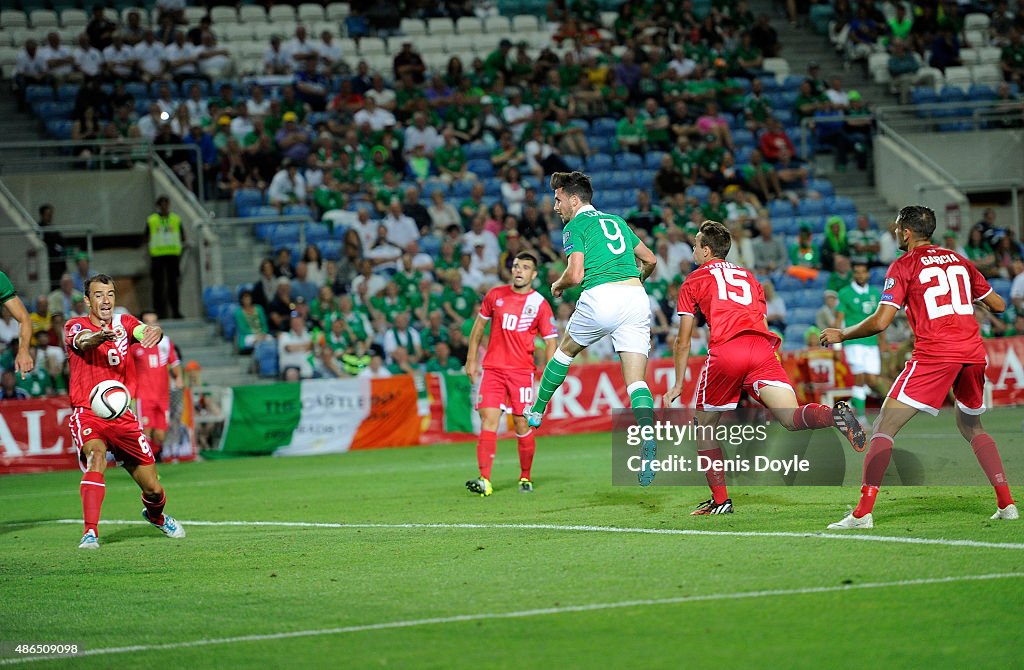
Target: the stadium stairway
pixel 800 46
pixel 199 341
pixel 18 126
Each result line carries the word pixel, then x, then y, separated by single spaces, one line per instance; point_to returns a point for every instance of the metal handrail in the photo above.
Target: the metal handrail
pixel 887 131
pixel 18 207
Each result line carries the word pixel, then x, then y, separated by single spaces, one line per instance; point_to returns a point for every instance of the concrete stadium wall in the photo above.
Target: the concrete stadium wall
pixel 898 174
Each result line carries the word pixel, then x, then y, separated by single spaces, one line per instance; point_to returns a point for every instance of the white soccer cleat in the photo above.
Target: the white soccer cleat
pixel 1009 513
pixel 850 522
pixel 89 541
pixel 533 419
pixel 170 527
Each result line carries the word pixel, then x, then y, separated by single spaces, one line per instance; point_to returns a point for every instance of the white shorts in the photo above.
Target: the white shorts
pixel 863 359
pixel 619 310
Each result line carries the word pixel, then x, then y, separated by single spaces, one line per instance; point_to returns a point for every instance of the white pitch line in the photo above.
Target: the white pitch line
pixel 582 529
pixel 522 614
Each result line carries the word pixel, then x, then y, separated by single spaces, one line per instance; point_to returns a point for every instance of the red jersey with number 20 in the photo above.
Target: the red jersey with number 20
pixel 730 298
pixel 110 360
pixel 517 319
pixel 938 287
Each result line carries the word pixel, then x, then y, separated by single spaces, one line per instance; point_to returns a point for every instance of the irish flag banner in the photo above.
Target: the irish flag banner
pixel 320 417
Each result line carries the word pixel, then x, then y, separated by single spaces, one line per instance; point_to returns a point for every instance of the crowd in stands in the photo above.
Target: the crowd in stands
pixel 432 179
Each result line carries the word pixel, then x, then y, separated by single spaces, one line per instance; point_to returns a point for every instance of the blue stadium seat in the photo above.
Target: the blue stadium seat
pixel 780 208
pixel 793 81
pixel 623 180
pixel 841 205
pixel 137 89
pixel 582 124
pixel 481 167
pixel 742 136
pixel 214 297
pixel 492 188
pixel 878 275
pixel 574 162
pixel 297 210
pixel 600 162
pixel 785 117
pixel 603 127
pixel 247 197
pixel 317 233
pixel 49 110
pixel 265 355
pixel 604 144
pixel 477 151
pixel 698 191
pixel 812 208
pixel 743 153
pixel 790 286
pixel 801 315
pixel 822 186
pixel 203 85
pixel 330 249
pixel 602 181
pixel 67 92
pixel 794 335
pixel 226 319
pixel 59 128
pixel 284 234
pixel 35 94
pixel 652 160
pixel 461 190
pixel 784 225
pixel 981 92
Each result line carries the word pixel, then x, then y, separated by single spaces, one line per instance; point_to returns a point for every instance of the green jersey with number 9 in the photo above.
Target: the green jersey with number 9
pixel 606 242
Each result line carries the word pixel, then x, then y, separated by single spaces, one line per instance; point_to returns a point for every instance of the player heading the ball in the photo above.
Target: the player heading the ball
pixel 610 262
pixel 97 348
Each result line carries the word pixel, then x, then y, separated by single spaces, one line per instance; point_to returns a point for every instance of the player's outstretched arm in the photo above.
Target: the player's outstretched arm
pixel 87 340
pixel 475 337
pixel 872 325
pixel 680 354
pixel 994 302
pixel 572 276
pixel 647 260
pixel 23 362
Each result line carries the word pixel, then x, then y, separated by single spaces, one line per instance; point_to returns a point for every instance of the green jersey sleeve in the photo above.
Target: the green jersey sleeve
pixel 6 288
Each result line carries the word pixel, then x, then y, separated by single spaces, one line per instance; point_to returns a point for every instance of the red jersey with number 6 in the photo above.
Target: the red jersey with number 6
pixel 110 360
pixel 517 319
pixel 938 287
pixel 730 298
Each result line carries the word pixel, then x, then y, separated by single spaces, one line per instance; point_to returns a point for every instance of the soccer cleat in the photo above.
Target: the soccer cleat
pixel 533 419
pixel 525 485
pixel 850 522
pixel 170 527
pixel 845 420
pixel 1009 513
pixel 648 452
pixel 709 507
pixel 480 486
pixel 89 541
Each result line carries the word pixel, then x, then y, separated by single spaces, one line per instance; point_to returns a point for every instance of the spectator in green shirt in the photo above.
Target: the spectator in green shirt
pixel 656 125
pixel 630 134
pixel 803 252
pixel 442 360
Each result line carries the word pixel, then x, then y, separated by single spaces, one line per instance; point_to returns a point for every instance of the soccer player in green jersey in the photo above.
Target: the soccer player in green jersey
pixel 23 362
pixel 610 262
pixel 857 301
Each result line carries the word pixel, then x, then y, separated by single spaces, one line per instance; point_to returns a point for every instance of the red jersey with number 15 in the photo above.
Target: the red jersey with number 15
pixel 938 287
pixel 730 298
pixel 110 360
pixel 517 319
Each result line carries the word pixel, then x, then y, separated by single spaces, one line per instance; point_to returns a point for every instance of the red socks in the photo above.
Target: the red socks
pixel 486 447
pixel 875 465
pixel 716 478
pixel 92 490
pixel 988 457
pixel 527 446
pixel 811 416
pixel 155 508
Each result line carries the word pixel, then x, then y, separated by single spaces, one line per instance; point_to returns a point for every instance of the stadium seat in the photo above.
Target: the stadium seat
pixel 981 92
pixel 780 208
pixel 812 208
pixel 976 21
pixel 698 191
pixel 498 25
pixel 822 186
pixel 466 25
pixel 440 26
pixel 525 23
pixel 13 18
pixel 574 162
pixel 412 27
pixel 628 161
pixel 226 320
pixel 989 55
pixel 310 11
pixel 43 18
pixel 600 162
pixel 338 11
pixel 481 167
pixel 841 205
pixel 986 74
pixel 959 77
pixel 265 355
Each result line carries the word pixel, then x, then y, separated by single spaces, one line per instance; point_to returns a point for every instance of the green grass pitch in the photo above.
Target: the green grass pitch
pixel 374 593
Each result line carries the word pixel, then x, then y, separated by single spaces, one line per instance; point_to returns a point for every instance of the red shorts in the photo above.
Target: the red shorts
pixel 123 437
pixel 152 413
pixel 747 363
pixel 508 390
pixel 924 385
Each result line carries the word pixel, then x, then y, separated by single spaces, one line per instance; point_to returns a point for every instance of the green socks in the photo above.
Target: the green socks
pixel 642 402
pixel 554 374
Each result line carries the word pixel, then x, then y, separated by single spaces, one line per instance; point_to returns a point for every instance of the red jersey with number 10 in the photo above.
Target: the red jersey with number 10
pixel 938 287
pixel 730 298
pixel 110 360
pixel 517 319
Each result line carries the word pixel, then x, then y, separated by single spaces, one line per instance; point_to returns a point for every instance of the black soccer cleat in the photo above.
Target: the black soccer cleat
pixel 845 420
pixel 709 507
